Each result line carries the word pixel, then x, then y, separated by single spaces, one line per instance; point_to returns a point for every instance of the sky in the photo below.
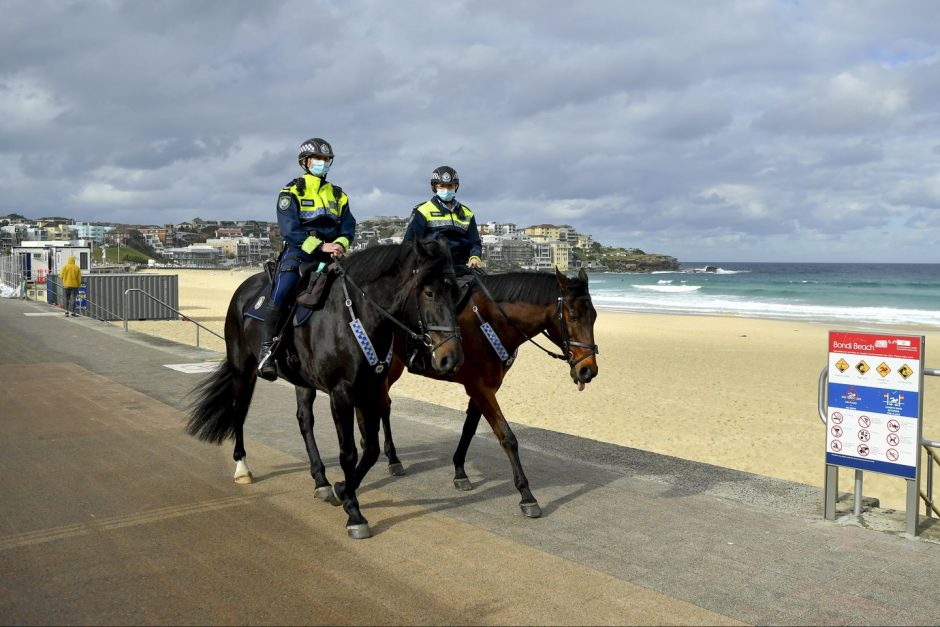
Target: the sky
pixel 709 131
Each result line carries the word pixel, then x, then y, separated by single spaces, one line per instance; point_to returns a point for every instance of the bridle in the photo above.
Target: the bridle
pixel 424 329
pixel 566 342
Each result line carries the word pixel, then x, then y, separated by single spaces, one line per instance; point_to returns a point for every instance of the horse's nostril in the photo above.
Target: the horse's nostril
pixel 585 374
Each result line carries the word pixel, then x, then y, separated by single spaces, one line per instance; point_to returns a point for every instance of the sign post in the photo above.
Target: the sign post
pixel 874 410
pixel 81 300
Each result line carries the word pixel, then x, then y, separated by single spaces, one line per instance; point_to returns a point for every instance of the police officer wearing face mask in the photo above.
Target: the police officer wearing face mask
pixel 316 224
pixel 444 215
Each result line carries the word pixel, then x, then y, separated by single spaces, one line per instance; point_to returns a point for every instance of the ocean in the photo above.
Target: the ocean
pixel 851 294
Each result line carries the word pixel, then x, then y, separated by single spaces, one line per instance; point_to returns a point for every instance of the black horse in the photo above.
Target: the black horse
pixel 381 289
pixel 515 308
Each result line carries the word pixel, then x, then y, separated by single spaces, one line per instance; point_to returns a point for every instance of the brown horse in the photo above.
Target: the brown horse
pixel 512 308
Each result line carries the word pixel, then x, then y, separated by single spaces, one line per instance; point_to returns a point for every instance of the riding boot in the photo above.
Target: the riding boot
pixel 267 367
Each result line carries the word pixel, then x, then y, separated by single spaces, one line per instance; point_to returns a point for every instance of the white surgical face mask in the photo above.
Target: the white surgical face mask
pixel 319 167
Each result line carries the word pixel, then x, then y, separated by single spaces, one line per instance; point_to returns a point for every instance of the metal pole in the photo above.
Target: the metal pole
pixel 831 489
pixel 197 336
pixel 124 313
pixel 912 498
pixel 929 509
pixel 858 493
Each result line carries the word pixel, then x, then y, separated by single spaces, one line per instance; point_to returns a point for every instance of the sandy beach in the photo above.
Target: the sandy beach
pixel 734 392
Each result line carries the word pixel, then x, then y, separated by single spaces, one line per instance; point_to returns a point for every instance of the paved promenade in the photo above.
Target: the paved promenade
pixel 111 514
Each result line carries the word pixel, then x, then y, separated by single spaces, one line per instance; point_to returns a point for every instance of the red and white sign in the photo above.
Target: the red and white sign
pixel 874 411
pixel 868 344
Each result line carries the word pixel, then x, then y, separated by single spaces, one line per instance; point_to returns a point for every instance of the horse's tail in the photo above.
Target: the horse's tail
pixel 220 405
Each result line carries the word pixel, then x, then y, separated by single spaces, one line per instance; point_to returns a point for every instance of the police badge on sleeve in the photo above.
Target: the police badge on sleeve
pixel 283 203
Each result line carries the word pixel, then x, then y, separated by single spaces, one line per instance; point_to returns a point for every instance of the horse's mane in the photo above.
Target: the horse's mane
pixel 373 263
pixel 540 288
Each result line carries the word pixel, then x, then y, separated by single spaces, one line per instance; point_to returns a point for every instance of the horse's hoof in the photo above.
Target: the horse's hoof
pixel 463 484
pixel 532 510
pixel 243 472
pixel 325 493
pixel 396 469
pixel 359 532
pixel 335 499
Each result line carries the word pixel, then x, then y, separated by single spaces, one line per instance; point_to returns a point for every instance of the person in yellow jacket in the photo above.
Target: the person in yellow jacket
pixel 71 277
pixel 444 215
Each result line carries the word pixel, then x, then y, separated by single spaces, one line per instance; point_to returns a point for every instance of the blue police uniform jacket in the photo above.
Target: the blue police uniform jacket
pixel 311 211
pixel 457 225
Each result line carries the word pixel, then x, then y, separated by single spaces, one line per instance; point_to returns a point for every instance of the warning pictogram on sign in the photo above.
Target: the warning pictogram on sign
pixel 892 455
pixel 835 445
pixel 842 365
pixel 862 367
pixel 836 417
pixel 884 369
pixel 905 371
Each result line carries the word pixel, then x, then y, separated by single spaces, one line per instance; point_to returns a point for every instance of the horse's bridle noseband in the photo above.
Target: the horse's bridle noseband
pixel 426 328
pixel 566 342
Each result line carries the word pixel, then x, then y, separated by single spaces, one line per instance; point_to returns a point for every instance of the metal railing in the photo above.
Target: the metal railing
pixel 929 448
pixel 179 313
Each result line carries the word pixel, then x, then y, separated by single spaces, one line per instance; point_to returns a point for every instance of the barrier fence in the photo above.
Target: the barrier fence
pixel 13 275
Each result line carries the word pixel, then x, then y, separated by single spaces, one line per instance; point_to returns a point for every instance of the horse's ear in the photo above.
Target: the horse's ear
pixel 419 248
pixel 562 279
pixel 583 276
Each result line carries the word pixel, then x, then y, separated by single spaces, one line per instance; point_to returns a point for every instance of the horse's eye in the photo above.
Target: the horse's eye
pixel 428 292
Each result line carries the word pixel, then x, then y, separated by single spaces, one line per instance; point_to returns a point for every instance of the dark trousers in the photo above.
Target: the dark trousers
pixel 70 293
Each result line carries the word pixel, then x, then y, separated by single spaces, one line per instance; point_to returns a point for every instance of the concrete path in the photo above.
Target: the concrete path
pixel 112 514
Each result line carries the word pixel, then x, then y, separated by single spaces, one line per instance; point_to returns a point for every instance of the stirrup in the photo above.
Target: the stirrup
pixel 267 366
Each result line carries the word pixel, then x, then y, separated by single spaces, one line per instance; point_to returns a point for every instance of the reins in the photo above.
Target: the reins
pixel 425 328
pixel 563 325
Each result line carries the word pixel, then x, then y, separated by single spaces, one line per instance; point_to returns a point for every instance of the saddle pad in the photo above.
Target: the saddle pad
pixel 257 307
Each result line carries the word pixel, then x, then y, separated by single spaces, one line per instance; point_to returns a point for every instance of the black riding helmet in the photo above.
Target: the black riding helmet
pixel 314 147
pixel 444 174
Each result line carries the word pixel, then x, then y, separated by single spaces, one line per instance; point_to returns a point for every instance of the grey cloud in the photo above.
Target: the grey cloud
pixel 737 126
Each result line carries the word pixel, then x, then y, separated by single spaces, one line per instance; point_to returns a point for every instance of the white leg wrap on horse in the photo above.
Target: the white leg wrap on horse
pixel 242 471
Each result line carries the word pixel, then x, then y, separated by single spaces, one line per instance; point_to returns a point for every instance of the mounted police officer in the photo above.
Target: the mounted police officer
pixel 444 215
pixel 317 226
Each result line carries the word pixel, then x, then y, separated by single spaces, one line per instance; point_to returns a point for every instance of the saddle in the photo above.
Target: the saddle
pixel 313 288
